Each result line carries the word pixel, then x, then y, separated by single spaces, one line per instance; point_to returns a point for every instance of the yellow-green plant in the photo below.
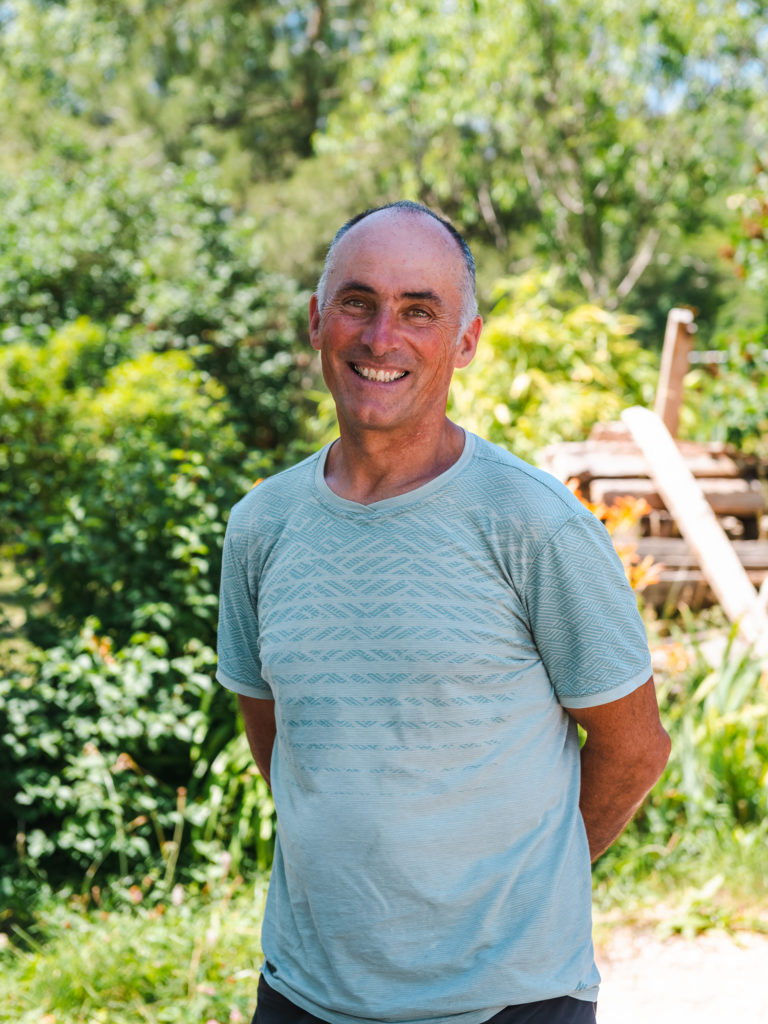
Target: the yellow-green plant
pixel 707 816
pixel 548 368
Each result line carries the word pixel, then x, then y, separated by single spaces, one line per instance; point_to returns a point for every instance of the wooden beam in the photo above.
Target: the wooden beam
pixel 676 553
pixel 727 497
pixel 698 524
pixel 678 342
pixel 602 459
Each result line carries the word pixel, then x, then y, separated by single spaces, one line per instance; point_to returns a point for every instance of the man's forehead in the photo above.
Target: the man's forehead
pixel 397 223
pixel 400 242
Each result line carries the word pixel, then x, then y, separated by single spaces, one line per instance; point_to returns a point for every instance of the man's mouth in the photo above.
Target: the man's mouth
pixel 381 376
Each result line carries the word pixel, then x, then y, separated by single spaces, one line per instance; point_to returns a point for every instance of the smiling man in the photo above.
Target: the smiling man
pixel 415 622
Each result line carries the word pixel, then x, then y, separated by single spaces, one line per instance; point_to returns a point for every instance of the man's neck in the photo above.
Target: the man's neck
pixel 374 465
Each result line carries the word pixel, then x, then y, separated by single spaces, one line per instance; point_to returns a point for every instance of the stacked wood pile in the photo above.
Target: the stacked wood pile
pixel 611 464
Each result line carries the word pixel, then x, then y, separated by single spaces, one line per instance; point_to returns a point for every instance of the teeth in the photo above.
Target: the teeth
pixel 385 376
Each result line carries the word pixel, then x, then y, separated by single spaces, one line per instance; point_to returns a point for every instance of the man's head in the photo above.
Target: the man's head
pixel 393 317
pixel 407 206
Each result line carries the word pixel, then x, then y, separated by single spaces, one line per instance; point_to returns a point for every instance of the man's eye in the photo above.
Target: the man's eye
pixel 419 314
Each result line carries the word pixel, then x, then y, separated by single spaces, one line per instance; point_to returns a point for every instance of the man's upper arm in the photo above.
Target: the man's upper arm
pixel 239 666
pixel 259 719
pixel 627 728
pixel 583 616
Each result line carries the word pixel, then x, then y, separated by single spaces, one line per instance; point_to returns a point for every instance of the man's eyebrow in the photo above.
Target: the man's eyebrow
pixel 356 286
pixel 427 295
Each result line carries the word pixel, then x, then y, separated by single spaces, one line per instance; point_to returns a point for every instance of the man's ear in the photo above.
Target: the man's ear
pixel 314 323
pixel 467 346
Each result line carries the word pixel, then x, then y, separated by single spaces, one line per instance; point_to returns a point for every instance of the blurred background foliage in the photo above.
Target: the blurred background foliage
pixel 169 178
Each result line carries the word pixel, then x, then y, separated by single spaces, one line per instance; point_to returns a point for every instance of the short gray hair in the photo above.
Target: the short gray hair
pixel 468 299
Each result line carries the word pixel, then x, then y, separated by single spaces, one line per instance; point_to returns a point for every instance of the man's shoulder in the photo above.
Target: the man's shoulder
pixel 508 477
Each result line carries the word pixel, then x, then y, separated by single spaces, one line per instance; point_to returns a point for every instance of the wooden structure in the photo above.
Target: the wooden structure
pixel 700 527
pixel 612 463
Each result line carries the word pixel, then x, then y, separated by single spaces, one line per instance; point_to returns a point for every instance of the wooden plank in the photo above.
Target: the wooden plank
pixel 698 524
pixel 678 342
pixel 688 586
pixel 590 463
pixel 725 495
pixel 609 439
pixel 676 553
pixel 685 575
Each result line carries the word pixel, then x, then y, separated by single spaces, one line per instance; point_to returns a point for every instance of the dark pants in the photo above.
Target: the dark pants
pixel 274 1008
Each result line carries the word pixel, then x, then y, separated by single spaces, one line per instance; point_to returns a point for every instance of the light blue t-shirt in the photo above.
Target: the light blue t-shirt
pixel 431 861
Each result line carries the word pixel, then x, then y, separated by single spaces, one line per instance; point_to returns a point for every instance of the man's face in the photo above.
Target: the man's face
pixel 390 333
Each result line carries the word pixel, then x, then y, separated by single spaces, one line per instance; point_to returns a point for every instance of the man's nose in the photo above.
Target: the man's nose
pixel 381 331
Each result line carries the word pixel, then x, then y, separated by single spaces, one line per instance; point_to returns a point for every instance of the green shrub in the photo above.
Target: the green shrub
pixel 718 718
pixel 710 807
pixel 548 368
pixel 116 482
pixel 125 764
pixel 728 401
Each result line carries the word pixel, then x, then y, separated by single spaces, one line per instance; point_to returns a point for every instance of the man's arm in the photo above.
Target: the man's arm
pixel 259 718
pixel 624 754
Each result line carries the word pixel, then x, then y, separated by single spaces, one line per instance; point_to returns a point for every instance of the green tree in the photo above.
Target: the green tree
pixel 597 130
pixel 246 82
pixel 162 250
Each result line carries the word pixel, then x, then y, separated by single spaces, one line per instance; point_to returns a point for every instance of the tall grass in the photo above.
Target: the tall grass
pixel 700 841
pixel 191 960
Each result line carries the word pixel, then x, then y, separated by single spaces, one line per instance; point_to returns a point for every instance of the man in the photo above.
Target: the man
pixel 414 622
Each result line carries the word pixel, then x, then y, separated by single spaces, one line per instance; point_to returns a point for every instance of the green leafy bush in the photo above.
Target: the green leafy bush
pixel 719 769
pixel 548 368
pixel 728 401
pixel 122 757
pixel 711 805
pixel 125 764
pixel 117 480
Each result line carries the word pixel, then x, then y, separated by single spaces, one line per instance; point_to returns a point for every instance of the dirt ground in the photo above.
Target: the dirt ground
pixel 715 978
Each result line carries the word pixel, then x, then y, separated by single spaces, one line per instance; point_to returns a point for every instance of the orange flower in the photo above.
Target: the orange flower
pixel 619 519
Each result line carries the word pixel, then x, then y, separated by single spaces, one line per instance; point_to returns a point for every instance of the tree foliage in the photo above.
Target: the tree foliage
pixel 595 128
pixel 245 82
pixel 112 494
pixel 163 252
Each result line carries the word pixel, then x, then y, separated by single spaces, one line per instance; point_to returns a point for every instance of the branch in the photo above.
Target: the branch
pixel 489 215
pixel 531 173
pixel 571 203
pixel 639 263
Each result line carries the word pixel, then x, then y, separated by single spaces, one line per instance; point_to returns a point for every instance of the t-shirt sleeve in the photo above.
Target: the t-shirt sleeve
pixel 239 667
pixel 584 616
